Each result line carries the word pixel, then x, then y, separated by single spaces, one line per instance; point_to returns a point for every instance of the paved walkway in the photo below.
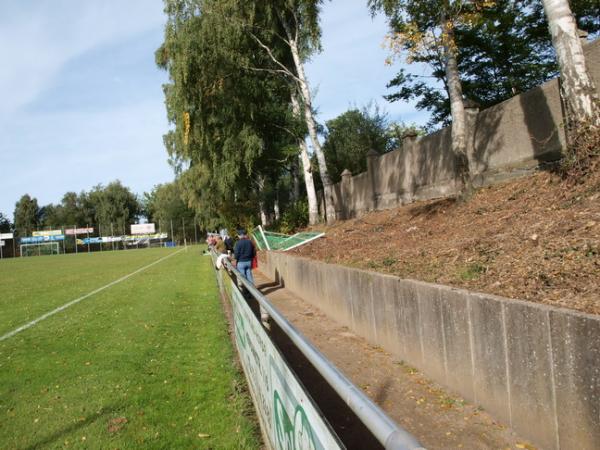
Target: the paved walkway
pixel 439 419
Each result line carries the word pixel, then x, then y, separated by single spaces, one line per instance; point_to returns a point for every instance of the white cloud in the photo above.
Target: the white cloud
pixel 37 39
pixel 73 151
pixel 47 151
pixel 351 70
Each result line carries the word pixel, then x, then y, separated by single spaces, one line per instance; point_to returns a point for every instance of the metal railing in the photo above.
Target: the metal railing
pixel 385 430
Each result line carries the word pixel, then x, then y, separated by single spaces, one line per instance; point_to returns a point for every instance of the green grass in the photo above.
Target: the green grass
pixel 32 286
pixel 152 350
pixel 471 271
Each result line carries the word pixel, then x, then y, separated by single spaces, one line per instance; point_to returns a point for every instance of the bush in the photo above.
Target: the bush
pixel 296 216
pixel 582 152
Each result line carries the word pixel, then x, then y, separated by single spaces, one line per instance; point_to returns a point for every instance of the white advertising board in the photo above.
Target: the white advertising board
pixel 6 236
pixel 143 228
pixel 109 239
pixel 75 231
pixel 39 239
pixel 288 416
pixel 47 233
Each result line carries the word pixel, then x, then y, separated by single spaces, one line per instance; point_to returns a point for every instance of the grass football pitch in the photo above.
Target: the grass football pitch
pixel 144 363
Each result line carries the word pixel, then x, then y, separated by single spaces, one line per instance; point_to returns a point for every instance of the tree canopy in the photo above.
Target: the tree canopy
pixel 352 134
pixel 240 105
pixel 503 50
pixel 5 225
pixel 103 205
pixel 26 215
pixel 232 121
pixel 114 204
pixel 165 203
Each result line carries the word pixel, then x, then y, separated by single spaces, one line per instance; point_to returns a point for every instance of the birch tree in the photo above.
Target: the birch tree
pixel 578 87
pixel 292 34
pixel 457 106
pixel 296 24
pixel 230 123
pixel 505 52
pixel 427 28
pixel 311 194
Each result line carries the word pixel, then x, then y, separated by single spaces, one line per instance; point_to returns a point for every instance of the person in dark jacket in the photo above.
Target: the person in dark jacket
pixel 244 252
pixel 228 244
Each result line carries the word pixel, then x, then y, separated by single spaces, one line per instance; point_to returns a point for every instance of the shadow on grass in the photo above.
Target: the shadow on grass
pixel 72 428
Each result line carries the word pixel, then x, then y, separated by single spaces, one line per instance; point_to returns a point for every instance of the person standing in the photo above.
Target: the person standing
pixel 228 244
pixel 244 252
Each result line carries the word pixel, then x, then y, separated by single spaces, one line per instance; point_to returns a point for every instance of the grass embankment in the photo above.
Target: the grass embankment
pixel 146 363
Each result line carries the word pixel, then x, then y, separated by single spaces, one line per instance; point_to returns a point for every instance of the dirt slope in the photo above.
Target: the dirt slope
pixel 536 239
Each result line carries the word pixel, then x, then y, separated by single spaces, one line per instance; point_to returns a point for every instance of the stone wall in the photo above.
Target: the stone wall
pixel 504 141
pixel 534 367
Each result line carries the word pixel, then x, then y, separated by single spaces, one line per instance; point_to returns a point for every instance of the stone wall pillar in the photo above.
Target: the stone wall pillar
pixel 373 175
pixel 471 112
pixel 347 206
pixel 409 138
pixel 409 142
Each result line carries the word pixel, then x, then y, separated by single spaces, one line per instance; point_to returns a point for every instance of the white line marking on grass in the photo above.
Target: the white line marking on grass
pixel 77 300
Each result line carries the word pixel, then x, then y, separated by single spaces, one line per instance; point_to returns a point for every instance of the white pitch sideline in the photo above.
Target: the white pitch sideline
pixel 77 300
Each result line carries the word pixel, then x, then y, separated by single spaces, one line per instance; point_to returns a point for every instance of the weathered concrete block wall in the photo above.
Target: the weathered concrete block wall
pixel 537 368
pixel 506 139
pixel 360 193
pixel 592 59
pixel 524 130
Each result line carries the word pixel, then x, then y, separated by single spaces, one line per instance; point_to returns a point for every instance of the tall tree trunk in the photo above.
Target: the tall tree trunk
pixel 276 207
pixel 578 87
pixel 311 194
pixel 264 220
pixel 457 110
pixel 312 131
pixel 296 180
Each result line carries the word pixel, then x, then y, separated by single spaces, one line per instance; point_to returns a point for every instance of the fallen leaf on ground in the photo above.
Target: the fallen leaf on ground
pixel 116 424
pixel 525 446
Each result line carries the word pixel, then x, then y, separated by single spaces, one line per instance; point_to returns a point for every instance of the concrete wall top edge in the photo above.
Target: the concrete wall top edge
pixel 492 297
pixel 590 46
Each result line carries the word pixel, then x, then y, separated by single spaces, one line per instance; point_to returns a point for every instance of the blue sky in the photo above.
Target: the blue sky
pixel 82 102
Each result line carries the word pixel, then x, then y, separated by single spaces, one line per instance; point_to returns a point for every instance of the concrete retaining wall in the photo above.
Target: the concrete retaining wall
pixel 504 141
pixel 535 367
